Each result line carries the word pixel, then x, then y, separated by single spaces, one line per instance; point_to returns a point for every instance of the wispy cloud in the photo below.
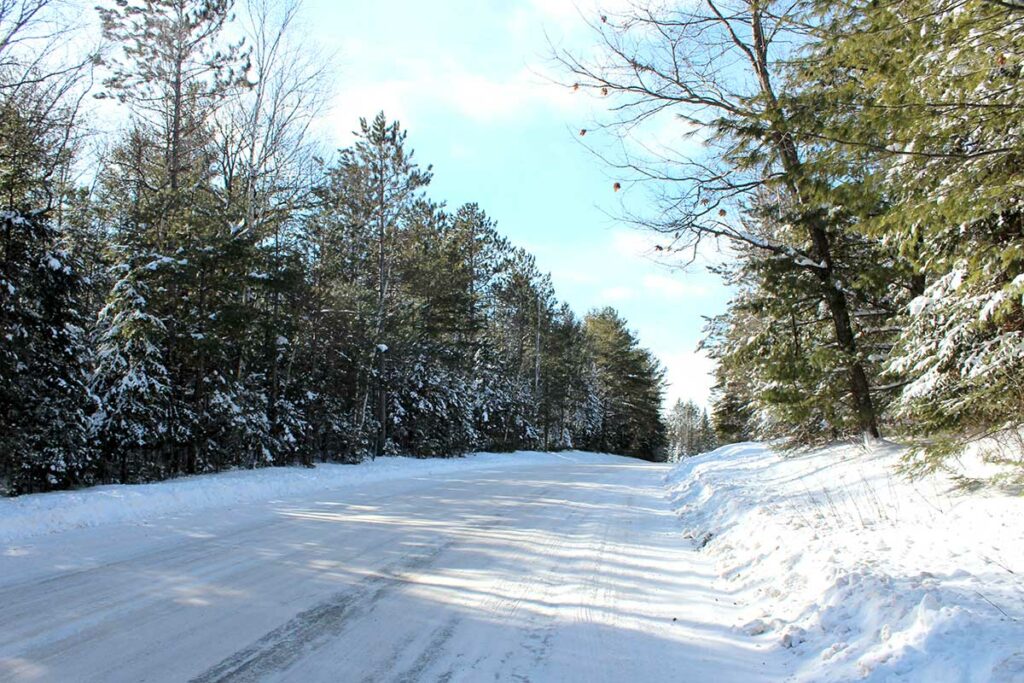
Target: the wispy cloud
pixel 668 287
pixel 570 16
pixel 634 242
pixel 616 294
pixel 415 89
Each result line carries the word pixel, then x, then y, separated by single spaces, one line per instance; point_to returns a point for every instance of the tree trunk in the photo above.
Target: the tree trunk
pixel 835 298
pixel 382 405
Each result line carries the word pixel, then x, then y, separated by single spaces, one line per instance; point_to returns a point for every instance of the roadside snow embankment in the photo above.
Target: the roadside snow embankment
pixel 33 515
pixel 860 573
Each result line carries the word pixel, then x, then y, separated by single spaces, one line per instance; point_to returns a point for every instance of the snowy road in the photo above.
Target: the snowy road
pixel 568 570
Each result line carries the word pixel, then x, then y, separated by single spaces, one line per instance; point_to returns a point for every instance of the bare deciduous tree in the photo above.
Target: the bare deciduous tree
pixel 42 86
pixel 714 65
pixel 267 154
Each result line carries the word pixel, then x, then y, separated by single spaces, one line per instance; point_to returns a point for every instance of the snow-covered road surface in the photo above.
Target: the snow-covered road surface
pixel 573 568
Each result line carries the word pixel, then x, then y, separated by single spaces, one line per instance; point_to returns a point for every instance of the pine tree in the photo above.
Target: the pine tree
pixel 366 205
pixel 44 403
pixel 937 124
pixel 731 416
pixel 689 431
pixel 174 72
pixel 706 439
pixel 630 389
pixel 132 383
pixel 44 287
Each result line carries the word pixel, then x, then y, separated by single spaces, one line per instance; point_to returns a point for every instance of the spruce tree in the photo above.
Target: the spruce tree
pixel 45 291
pixel 174 70
pixel 44 361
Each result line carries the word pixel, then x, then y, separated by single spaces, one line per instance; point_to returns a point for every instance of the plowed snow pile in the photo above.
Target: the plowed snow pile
pixel 858 572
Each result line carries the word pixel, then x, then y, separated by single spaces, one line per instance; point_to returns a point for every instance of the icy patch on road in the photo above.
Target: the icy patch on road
pixel 33 515
pixel 859 573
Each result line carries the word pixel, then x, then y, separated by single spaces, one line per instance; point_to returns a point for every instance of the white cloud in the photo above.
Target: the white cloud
pixel 668 287
pixel 579 277
pixel 524 92
pixel 616 294
pixel 634 242
pixel 572 15
pixel 646 244
pixel 689 375
pixel 417 87
pixel 462 152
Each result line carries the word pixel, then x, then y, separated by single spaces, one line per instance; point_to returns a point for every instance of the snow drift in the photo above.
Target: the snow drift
pixel 858 572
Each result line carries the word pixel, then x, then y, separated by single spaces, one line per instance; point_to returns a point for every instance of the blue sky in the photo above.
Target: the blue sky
pixel 471 81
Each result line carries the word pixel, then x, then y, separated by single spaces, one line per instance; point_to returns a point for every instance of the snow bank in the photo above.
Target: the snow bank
pixel 861 574
pixel 32 515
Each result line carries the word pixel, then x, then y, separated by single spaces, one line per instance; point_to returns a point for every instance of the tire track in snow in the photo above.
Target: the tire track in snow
pixel 538 630
pixel 502 604
pixel 429 656
pixel 322 624
pixel 204 560
pixel 311 629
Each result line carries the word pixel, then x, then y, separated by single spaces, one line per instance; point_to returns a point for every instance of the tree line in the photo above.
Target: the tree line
pixel 206 289
pixel 690 430
pixel 862 163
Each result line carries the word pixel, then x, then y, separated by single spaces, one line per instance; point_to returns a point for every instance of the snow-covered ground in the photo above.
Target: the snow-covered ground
pixel 29 516
pixel 854 571
pixel 526 567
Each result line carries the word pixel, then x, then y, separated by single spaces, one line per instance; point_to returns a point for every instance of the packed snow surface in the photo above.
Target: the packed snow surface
pixel 824 566
pixel 856 572
pixel 522 567
pixel 29 516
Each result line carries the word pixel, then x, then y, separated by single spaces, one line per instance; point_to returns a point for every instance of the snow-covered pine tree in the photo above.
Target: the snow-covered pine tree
pixel 44 359
pixel 777 336
pixel 927 95
pixel 44 289
pixel 731 415
pixel 174 71
pixel 631 382
pixel 133 426
pixel 689 430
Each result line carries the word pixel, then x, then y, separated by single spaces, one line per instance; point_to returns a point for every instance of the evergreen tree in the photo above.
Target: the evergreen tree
pixel 367 204
pixel 221 298
pixel 132 383
pixel 44 402
pixel 937 123
pixel 689 431
pixel 44 289
pixel 776 337
pixel 174 72
pixel 630 386
pixel 731 416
